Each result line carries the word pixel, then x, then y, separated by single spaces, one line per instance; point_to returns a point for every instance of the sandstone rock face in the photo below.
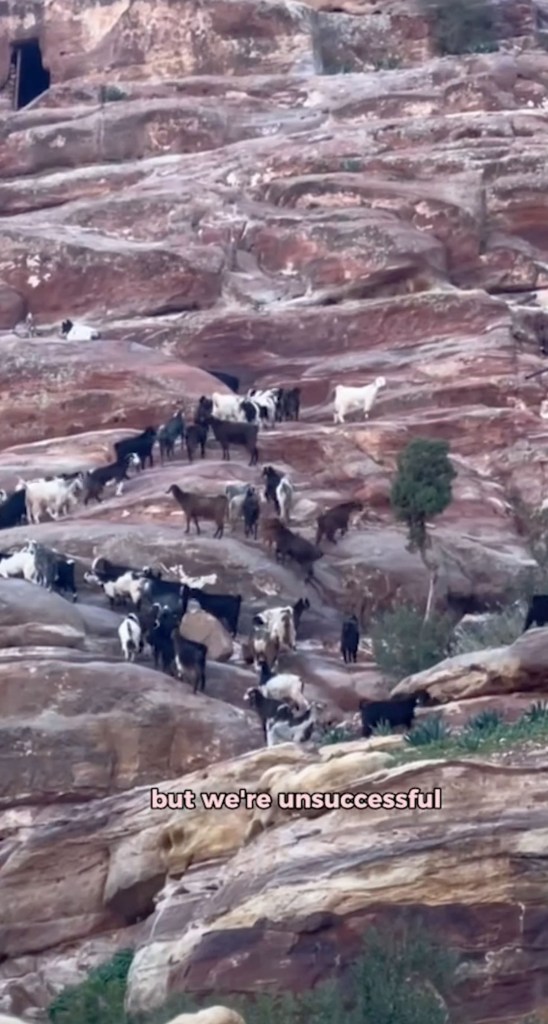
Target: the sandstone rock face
pixel 205 629
pixel 289 206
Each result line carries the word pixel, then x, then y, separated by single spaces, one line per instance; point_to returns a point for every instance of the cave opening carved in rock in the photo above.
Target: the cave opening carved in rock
pixel 31 77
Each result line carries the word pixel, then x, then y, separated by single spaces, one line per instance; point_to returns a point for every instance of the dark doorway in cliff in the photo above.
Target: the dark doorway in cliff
pixel 31 77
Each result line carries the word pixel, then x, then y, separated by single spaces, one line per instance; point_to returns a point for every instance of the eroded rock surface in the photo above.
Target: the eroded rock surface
pixel 247 206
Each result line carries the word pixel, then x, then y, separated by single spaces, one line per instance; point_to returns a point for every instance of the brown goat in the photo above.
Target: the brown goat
pixel 261 647
pixel 336 518
pixel 203 505
pixel 289 544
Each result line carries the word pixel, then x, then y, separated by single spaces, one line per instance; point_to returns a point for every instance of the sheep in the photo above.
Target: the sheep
pixel 95 480
pixel 334 775
pixel 396 712
pixel 190 660
pixel 286 727
pixel 78 332
pixel 350 399
pixel 13 510
pixel 206 506
pixel 264 705
pixel 251 510
pixel 225 607
pixel 350 639
pixel 280 623
pixel 211 1015
pixel 169 433
pixel 142 444
pixel 336 518
pixel 537 612
pixel 225 378
pixel 243 434
pixel 196 435
pixel 283 686
pixel 53 496
pixel 131 636
pixel 289 544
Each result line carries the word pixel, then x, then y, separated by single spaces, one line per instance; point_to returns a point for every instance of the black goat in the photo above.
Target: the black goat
pixel 350 639
pixel 396 712
pixel 266 707
pixel 225 607
pixel 168 434
pixel 190 660
pixel 242 434
pixel 288 404
pixel 142 444
pixel 537 611
pixel 251 511
pixel 97 479
pixel 196 434
pixel 299 608
pixel 13 510
pixel 272 477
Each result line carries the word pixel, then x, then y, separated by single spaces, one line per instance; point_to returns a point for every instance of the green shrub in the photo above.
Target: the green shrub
pixel 498 629
pixel 432 730
pixel 485 722
pixel 111 93
pixel 463 26
pixel 99 999
pixel 338 734
pixel 372 991
pixel 404 644
pixel 538 712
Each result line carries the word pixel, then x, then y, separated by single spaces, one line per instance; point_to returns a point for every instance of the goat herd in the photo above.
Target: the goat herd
pixel 159 604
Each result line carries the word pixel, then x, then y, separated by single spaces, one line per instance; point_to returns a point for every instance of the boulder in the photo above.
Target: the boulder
pixel 204 628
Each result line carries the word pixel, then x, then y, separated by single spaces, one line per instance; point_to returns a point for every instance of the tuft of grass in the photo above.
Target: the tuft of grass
pixel 432 730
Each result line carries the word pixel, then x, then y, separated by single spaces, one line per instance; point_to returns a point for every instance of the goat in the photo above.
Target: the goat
pixel 131 636
pixel 280 623
pixel 286 727
pixel 190 660
pixel 291 545
pixel 225 607
pixel 265 401
pixel 299 608
pixel 350 399
pixel 13 509
pixel 537 612
pixel 97 479
pixel 194 505
pixel 169 433
pixel 196 435
pixel 142 445
pixel 210 1015
pixel 78 332
pixel 264 705
pixel 131 585
pixel 272 477
pixel 242 434
pixel 102 570
pixel 251 510
pixel 167 593
pixel 288 404
pixel 53 496
pixel 350 639
pixel 225 378
pixel 53 570
pixel 283 686
pixel 396 711
pixel 20 563
pixel 161 638
pixel 336 518
pixel 235 494
pixel 261 646
pixel 64 575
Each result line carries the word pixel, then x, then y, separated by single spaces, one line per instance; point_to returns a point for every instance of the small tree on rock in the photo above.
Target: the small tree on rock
pixel 422 489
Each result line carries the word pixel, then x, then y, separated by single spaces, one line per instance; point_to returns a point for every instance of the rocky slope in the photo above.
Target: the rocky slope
pixel 270 202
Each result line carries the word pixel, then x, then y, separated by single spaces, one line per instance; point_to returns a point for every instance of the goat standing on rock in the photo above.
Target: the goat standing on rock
pixel 349 399
pixel 350 639
pixel 194 505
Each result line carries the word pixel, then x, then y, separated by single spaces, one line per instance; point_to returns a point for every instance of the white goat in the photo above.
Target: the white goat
pixel 20 563
pixel 281 624
pixel 236 496
pixel 266 397
pixel 129 585
pixel 286 686
pixel 54 496
pixel 349 399
pixel 227 407
pixel 284 496
pixel 78 332
pixel 131 636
